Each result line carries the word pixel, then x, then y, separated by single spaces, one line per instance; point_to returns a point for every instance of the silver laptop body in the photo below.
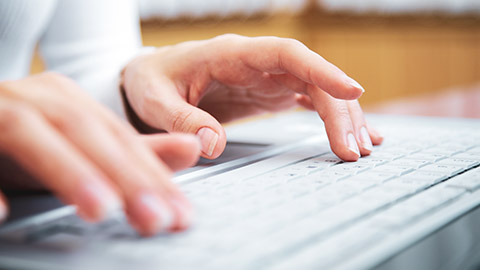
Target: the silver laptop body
pixel 279 199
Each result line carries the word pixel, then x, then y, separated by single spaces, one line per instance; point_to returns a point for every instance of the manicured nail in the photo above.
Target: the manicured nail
pixel 156 206
pixel 352 144
pixel 185 211
pixel 3 212
pixel 365 138
pixel 98 197
pixel 208 140
pixel 355 84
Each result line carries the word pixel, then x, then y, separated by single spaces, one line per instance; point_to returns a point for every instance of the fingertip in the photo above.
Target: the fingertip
pixel 150 214
pixel 3 209
pixel 347 155
pixel 212 142
pixel 347 89
pixel 96 201
pixel 376 137
pixel 304 101
pixel 183 213
pixel 365 143
pixel 190 158
pixel 347 149
pixel 355 85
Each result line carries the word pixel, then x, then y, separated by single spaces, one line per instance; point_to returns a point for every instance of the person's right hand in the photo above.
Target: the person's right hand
pixel 87 157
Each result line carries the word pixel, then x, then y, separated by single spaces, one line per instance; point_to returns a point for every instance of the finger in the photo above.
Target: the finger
pixel 170 210
pixel 141 177
pixel 130 165
pixel 376 137
pixel 3 208
pixel 278 56
pixel 164 108
pixel 304 101
pixel 178 151
pixel 338 124
pixel 36 146
pixel 360 127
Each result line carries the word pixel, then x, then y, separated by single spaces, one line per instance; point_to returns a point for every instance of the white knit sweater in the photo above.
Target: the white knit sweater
pixel 87 40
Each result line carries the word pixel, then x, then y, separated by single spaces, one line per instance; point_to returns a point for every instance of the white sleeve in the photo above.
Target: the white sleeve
pixel 90 41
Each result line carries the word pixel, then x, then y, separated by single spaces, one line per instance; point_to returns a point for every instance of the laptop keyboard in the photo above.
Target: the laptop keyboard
pixel 304 208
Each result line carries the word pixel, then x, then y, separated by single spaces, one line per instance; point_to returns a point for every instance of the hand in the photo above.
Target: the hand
pixel 89 158
pixel 192 86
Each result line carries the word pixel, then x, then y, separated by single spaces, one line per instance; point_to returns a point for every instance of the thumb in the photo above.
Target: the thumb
pixel 159 105
pixel 183 117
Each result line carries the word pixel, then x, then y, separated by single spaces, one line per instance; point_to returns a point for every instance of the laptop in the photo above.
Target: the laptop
pixel 280 199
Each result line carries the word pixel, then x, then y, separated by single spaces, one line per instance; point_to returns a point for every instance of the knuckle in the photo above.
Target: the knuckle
pixel 336 112
pixel 229 36
pixel 59 82
pixel 67 119
pixel 12 114
pixel 180 120
pixel 291 43
pixel 53 76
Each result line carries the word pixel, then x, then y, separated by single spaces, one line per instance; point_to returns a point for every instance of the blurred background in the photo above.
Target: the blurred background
pixel 412 56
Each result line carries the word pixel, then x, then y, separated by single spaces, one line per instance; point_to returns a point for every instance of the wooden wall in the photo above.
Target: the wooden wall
pixel 390 56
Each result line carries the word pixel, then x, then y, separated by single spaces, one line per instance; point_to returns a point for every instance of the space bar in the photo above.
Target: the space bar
pixel 273 163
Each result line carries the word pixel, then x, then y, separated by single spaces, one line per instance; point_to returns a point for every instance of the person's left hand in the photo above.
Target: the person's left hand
pixel 192 86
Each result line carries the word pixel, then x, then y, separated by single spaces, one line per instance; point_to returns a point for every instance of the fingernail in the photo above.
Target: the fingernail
pixel 352 144
pixel 3 212
pixel 365 138
pixel 208 140
pixel 156 206
pixel 185 212
pixel 97 202
pixel 355 84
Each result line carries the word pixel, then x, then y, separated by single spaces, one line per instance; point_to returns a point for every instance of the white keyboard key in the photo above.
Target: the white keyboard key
pixel 372 161
pixel 446 151
pixel 341 245
pixel 430 176
pixel 397 170
pixel 284 174
pixel 468 155
pixel 332 194
pixel 314 164
pixel 383 195
pixel 350 167
pixel 475 150
pixel 331 176
pixel 400 149
pixel 436 196
pixel 433 157
pixel 415 207
pixel 355 184
pixel 469 180
pixel 373 176
pixel 461 162
pixel 328 158
pixel 413 163
pixel 386 155
pixel 407 183
pixel 446 169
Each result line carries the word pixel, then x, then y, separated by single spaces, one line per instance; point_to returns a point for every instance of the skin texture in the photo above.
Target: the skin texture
pixel 85 155
pixel 79 150
pixel 198 84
